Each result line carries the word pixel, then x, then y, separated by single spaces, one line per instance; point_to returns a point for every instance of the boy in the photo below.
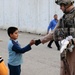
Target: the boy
pixel 15 51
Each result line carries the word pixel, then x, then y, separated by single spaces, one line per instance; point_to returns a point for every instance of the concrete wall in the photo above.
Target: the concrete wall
pixel 28 15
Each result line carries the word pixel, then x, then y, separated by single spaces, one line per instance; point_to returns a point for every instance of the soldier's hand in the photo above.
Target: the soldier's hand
pixel 37 42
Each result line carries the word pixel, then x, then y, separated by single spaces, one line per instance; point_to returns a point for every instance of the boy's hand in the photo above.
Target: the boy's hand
pixel 32 42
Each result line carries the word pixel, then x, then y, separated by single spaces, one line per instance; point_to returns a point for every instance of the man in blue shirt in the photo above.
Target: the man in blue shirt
pixel 51 27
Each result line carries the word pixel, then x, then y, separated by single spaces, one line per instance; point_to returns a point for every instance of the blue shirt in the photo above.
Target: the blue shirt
pixel 52 25
pixel 15 52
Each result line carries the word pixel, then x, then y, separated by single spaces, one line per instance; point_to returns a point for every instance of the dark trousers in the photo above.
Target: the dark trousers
pixel 56 43
pixel 14 70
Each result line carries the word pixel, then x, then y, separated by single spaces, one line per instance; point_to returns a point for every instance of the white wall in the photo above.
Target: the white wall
pixel 28 15
pixel 1 12
pixel 10 16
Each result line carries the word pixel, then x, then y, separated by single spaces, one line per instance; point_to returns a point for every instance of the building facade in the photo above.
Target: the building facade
pixel 28 15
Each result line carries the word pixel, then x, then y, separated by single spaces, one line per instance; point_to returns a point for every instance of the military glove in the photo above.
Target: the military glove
pixel 37 42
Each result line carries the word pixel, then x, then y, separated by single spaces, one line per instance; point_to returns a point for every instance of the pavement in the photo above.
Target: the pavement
pixel 41 60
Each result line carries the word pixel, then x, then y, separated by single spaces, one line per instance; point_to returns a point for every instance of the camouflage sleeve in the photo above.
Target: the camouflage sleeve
pixel 57 26
pixel 47 38
pixel 56 30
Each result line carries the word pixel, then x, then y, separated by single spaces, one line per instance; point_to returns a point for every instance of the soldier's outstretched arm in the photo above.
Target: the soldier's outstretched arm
pixel 46 38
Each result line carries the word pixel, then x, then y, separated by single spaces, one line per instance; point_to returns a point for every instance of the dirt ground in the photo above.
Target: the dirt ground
pixel 41 60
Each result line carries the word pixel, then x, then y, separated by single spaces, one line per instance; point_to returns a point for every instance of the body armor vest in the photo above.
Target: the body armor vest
pixel 66 26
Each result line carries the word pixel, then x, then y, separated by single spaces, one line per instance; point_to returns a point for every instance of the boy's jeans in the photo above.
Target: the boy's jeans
pixel 14 70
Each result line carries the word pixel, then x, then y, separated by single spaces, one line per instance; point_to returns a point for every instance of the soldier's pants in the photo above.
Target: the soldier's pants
pixel 71 62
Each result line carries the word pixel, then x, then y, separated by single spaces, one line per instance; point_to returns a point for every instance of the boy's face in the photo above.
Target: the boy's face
pixel 14 36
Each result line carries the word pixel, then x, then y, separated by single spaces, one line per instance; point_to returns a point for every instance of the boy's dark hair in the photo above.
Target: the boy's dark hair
pixel 11 30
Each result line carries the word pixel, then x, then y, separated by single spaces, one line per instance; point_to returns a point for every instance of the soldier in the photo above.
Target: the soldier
pixel 65 32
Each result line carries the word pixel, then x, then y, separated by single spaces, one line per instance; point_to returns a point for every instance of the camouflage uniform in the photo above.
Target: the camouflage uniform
pixel 66 27
pixel 66 22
